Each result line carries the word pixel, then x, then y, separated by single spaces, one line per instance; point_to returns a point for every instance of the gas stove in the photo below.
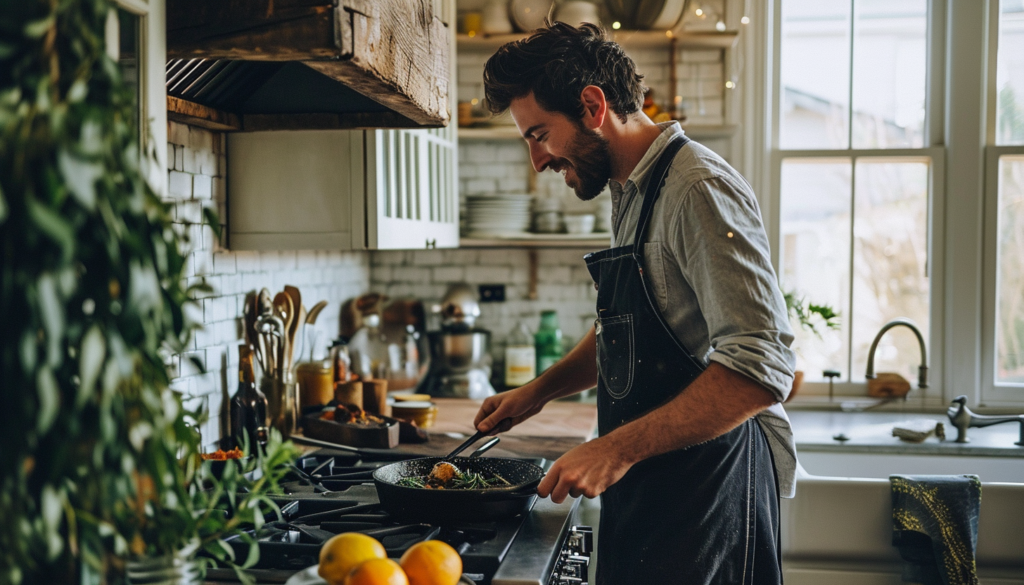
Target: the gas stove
pixel 332 492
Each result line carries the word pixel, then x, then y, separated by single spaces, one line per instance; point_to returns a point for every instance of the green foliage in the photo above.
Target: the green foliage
pixel 811 317
pixel 92 301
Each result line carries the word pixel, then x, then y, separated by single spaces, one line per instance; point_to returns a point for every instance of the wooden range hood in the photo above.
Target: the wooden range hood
pixel 248 65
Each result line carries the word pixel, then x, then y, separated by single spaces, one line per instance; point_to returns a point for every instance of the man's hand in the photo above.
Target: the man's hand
pixel 586 470
pixel 517 405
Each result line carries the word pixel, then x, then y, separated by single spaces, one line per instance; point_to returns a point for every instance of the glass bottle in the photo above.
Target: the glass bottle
pixel 520 357
pixel 548 341
pixel 249 405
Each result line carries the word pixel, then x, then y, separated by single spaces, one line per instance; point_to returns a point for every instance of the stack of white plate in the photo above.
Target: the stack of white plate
pixel 498 215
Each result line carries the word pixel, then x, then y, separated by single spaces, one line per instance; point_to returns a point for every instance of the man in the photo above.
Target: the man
pixel 690 350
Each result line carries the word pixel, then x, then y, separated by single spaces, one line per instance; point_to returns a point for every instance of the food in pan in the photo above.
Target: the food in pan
pixel 445 476
pixel 222 455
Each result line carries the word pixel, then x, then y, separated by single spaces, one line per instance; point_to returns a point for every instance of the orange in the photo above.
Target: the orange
pixel 377 572
pixel 432 563
pixel 345 552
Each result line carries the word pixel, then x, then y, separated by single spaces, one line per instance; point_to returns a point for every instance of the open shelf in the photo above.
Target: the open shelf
pixel 636 38
pixel 595 241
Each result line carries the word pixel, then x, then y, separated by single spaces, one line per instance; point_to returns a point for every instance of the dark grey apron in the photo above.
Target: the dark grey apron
pixel 707 514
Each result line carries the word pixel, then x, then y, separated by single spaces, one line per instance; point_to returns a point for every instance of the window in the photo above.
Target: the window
pixel 856 182
pixel 1004 348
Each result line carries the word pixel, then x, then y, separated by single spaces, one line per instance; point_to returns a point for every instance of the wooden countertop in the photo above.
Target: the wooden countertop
pixel 560 426
pixel 550 433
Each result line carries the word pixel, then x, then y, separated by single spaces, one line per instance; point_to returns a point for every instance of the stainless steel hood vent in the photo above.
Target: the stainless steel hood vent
pixel 307 64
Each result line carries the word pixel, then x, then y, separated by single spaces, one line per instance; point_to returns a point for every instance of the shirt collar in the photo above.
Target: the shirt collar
pixel 639 175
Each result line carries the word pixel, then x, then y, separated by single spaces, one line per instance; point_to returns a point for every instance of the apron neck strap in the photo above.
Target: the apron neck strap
pixel 654 189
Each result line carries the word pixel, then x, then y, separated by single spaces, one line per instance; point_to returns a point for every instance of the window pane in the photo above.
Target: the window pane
pixel 815 74
pixel 815 265
pixel 1010 74
pixel 889 73
pixel 128 54
pixel 1010 274
pixel 890 279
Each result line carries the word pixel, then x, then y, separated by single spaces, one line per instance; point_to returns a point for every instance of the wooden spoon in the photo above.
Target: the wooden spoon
pixel 297 320
pixel 315 312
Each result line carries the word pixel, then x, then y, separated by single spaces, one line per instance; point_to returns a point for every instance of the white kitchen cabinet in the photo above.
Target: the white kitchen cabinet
pixel 342 190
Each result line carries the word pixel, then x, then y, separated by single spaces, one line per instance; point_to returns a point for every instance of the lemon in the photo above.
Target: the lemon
pixel 432 563
pixel 377 572
pixel 345 552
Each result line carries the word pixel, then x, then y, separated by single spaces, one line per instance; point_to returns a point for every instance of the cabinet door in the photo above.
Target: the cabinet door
pixel 297 190
pixel 412 189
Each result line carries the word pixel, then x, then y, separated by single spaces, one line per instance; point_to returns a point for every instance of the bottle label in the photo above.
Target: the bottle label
pixel 519 365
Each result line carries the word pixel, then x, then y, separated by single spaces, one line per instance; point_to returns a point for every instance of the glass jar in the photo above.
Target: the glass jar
pixel 316 383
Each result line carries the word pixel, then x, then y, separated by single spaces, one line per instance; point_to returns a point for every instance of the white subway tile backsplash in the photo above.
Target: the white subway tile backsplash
pixel 330 275
pixel 179 185
pixel 448 274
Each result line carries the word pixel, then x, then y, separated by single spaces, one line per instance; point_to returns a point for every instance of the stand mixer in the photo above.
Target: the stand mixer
pixel 460 365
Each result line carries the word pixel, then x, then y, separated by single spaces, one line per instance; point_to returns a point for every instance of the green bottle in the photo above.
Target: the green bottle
pixel 548 341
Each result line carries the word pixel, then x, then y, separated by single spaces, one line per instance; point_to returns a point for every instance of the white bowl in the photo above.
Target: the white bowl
pixel 580 224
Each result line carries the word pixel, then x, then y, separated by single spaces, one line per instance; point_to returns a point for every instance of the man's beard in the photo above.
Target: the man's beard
pixel 590 160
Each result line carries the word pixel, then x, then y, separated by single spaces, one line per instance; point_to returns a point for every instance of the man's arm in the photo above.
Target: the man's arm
pixel 574 373
pixel 716 402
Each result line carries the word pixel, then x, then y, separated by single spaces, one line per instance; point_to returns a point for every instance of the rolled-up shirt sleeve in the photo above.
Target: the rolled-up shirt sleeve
pixel 723 252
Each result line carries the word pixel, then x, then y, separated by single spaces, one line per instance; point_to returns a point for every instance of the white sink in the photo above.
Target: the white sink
pixel 838 530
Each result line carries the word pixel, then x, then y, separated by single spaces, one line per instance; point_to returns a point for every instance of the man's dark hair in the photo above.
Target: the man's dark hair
pixel 556 63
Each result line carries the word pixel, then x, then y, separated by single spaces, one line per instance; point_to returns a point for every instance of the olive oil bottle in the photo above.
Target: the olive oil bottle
pixel 249 405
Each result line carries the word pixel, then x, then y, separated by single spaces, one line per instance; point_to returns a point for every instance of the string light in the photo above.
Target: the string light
pixel 745 20
pixel 700 12
pixel 720 26
pixel 729 85
pixel 616 25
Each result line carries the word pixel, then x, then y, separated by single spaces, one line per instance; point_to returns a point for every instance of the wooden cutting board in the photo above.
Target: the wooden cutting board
pixel 558 419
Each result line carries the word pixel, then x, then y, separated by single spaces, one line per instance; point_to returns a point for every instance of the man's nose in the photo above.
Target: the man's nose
pixel 540 157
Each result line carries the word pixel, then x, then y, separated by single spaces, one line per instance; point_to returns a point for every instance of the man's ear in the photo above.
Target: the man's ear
pixel 595 108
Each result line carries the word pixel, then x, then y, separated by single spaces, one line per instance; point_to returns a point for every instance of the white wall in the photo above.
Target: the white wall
pixel 197 179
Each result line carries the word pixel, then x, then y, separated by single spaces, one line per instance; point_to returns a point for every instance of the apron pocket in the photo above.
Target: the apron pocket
pixel 615 354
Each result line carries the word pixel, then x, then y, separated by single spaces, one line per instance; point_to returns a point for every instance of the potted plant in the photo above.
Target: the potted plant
pixel 93 302
pixel 809 317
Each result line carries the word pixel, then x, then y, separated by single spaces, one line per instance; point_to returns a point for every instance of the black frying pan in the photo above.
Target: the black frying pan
pixel 472 505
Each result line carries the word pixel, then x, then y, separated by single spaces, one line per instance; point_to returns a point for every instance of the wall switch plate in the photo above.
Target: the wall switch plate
pixel 492 293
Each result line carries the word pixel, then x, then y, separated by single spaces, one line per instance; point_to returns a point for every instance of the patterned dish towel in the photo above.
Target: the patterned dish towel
pixel 935 527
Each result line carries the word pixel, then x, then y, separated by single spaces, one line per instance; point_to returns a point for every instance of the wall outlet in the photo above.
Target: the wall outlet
pixel 492 293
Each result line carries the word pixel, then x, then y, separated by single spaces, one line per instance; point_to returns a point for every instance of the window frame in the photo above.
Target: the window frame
pixel 817 392
pixel 992 393
pixel 152 87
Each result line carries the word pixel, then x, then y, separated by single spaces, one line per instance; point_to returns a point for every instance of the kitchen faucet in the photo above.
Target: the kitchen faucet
pixel 922 371
pixel 963 419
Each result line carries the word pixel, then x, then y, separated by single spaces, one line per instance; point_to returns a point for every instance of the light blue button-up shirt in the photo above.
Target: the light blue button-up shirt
pixel 707 257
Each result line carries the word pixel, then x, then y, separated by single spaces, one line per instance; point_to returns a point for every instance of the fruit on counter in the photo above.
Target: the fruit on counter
pixel 344 552
pixel 432 563
pixel 377 572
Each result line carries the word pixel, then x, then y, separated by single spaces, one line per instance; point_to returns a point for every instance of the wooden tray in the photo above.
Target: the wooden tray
pixel 379 437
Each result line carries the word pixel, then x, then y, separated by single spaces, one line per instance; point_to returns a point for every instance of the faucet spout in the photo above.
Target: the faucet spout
pixel 922 370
